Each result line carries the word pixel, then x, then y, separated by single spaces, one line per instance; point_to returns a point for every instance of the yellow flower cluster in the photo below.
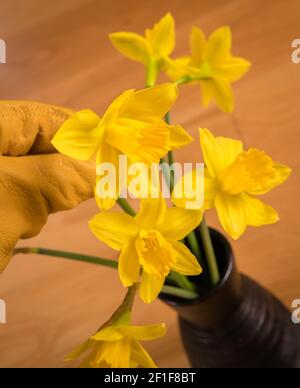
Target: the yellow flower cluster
pixel 150 242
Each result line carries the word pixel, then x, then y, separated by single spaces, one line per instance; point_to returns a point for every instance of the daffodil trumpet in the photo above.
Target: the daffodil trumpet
pixel 150 243
pixel 234 178
pixel 117 343
pixel 181 280
pixel 132 126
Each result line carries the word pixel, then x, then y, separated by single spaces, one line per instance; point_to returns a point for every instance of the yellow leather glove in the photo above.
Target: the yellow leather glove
pixel 35 181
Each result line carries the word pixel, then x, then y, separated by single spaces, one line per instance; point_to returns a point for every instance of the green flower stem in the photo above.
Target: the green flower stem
pixel 129 298
pixel 170 156
pixel 184 294
pixel 187 79
pixel 192 238
pixel 123 203
pixel 195 247
pixel 175 291
pixel 184 80
pixel 125 308
pixel 165 169
pixel 68 255
pixel 171 159
pixel 210 253
pixel 182 281
pixel 151 73
pixel 168 118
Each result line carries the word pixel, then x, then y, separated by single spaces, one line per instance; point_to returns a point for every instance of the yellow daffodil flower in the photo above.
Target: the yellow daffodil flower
pixel 131 126
pixel 118 346
pixel 212 64
pixel 149 244
pixel 151 49
pixel 233 178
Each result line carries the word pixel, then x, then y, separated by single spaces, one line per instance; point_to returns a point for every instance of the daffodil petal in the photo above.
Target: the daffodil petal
pixel 129 267
pixel 152 103
pixel 162 36
pixel 116 108
pixel 219 153
pixel 178 223
pixel 108 187
pixel 151 286
pixel 178 137
pixel 140 356
pixel 212 151
pixel 107 154
pixel 124 353
pixel 210 190
pixel 232 214
pixel 152 212
pixel 132 45
pixel 116 353
pixel 114 229
pixel 105 204
pixel 187 191
pixel 107 334
pixel 206 92
pixel 145 333
pixel 222 93
pixel 219 45
pixel 79 351
pixel 187 264
pixel 198 45
pixel 87 363
pixel 233 69
pixel 258 213
pixel 177 68
pixel 144 182
pixel 80 136
pixel 231 149
pixel 133 364
pixel 282 174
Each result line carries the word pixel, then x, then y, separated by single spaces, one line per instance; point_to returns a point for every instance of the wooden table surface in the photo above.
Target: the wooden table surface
pixel 58 52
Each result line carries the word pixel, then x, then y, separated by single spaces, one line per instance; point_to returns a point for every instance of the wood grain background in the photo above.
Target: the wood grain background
pixel 58 52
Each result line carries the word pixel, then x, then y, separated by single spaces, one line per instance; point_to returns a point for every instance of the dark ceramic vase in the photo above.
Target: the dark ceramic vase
pixel 239 324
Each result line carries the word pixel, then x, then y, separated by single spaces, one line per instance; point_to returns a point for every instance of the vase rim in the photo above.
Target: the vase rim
pixel 225 276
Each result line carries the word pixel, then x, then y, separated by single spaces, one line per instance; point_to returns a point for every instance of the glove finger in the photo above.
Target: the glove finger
pixel 26 127
pixel 32 187
pixel 22 208
pixel 64 182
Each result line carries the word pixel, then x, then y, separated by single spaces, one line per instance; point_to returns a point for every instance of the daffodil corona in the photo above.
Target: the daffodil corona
pixel 118 346
pixel 149 244
pixel 233 178
pixel 131 126
pixel 212 64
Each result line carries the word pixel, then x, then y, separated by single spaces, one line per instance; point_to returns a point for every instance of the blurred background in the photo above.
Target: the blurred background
pixel 58 52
